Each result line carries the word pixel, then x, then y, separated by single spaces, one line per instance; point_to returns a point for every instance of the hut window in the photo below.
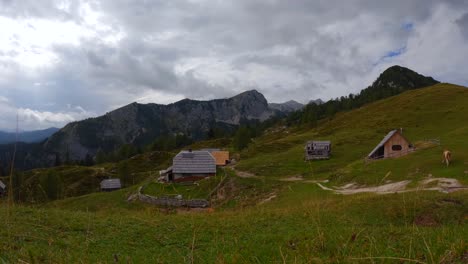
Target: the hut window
pixel 396 147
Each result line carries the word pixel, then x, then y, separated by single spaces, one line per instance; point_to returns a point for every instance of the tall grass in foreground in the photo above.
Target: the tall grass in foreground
pixel 425 227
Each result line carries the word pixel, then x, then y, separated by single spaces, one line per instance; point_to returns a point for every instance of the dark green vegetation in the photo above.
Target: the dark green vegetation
pixel 39 185
pixel 261 218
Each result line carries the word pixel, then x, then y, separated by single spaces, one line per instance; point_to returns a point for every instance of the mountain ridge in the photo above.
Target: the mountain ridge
pixel 140 124
pixel 27 136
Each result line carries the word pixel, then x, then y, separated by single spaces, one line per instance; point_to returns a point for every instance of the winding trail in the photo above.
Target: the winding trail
pixel 445 185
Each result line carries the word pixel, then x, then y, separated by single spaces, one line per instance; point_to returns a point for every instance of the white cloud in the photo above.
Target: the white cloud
pixel 30 119
pixel 107 53
pixel 437 46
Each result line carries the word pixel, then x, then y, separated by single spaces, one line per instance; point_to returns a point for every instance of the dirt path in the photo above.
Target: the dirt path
pixel 269 198
pixel 244 174
pixel 292 179
pixel 445 185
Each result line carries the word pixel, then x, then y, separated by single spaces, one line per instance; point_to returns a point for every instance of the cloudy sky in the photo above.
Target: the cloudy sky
pixel 67 60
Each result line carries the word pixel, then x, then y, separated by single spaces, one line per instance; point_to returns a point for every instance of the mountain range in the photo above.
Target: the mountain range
pixel 140 124
pixel 27 136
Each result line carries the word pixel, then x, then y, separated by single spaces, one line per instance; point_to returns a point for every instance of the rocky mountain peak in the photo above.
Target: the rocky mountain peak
pixel 289 106
pixel 251 95
pixel 398 77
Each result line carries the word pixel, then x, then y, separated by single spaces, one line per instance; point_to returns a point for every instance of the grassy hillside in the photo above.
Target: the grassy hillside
pixel 261 218
pixel 437 112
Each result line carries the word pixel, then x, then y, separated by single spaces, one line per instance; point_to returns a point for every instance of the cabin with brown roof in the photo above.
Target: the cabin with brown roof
pixel 393 145
pixel 221 156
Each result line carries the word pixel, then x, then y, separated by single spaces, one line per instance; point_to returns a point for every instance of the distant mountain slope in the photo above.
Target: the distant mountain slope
pixel 27 136
pixel 289 106
pixel 317 101
pixel 140 124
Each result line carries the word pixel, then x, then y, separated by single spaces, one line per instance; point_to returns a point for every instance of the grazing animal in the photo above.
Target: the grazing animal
pixel 447 157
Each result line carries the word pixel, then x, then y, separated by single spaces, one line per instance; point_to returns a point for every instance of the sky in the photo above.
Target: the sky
pixel 62 61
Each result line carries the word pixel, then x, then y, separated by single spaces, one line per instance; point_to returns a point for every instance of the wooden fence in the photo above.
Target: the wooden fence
pixel 173 202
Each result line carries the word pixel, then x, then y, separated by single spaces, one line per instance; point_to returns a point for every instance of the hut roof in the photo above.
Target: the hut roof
pixel 384 140
pixel 221 157
pixel 194 162
pixel 2 185
pixel 211 150
pixel 111 184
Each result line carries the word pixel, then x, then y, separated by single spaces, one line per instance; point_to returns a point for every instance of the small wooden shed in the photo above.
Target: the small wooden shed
pixel 3 189
pixel 315 150
pixel 109 185
pixel 221 156
pixel 393 145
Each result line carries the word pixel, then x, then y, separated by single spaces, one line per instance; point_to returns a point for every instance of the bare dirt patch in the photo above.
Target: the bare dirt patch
pixel 382 189
pixel 441 184
pixel 292 178
pixel 244 174
pixel 316 181
pixel 445 185
pixel 269 198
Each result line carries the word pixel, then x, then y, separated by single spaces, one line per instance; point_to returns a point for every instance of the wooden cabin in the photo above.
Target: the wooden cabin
pixel 3 189
pixel 109 185
pixel 191 166
pixel 315 150
pixel 221 156
pixel 393 145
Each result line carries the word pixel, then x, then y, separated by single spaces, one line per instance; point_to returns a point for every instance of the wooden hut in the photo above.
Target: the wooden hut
pixel 221 156
pixel 109 185
pixel 393 145
pixel 192 165
pixel 317 150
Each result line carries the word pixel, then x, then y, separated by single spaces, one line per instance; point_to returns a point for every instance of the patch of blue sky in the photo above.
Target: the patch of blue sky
pixel 408 26
pixel 391 54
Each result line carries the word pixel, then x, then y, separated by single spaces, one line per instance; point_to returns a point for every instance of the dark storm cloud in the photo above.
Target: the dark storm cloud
pixel 463 24
pixel 166 50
